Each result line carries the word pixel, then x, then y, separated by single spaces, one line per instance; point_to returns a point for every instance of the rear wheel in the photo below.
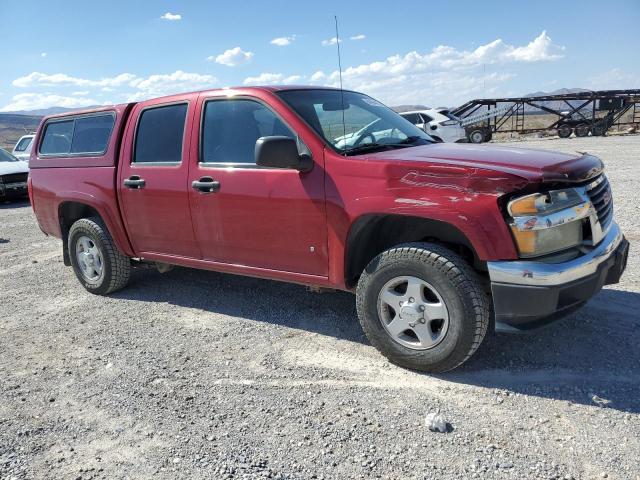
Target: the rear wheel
pixel 422 307
pixel 582 130
pixel 599 129
pixel 100 267
pixel 564 131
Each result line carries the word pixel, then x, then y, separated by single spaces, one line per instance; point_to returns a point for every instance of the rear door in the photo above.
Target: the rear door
pixel 152 181
pixel 254 216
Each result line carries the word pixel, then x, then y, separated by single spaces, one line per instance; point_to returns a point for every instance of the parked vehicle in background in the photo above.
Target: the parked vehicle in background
pixel 260 181
pixel 438 123
pixel 22 150
pixel 13 176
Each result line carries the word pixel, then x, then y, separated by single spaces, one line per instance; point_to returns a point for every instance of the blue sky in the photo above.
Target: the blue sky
pixel 77 53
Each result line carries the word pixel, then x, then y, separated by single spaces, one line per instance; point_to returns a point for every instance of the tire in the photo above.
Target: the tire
pixel 599 129
pixel 582 130
pixel 456 286
pixel 564 131
pixel 98 264
pixel 489 136
pixel 476 136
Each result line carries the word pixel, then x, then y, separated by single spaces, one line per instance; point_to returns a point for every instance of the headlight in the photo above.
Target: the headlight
pixel 549 222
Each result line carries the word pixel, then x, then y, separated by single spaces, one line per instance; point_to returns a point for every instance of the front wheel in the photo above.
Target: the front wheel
pixel 100 267
pixel 422 307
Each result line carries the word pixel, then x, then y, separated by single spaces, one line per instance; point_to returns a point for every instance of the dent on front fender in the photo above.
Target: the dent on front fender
pixel 466 198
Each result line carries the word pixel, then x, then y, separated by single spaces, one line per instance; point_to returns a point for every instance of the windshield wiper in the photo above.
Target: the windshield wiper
pixel 374 146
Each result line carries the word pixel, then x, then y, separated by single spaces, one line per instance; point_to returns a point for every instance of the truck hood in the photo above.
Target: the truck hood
pixel 7 168
pixel 530 164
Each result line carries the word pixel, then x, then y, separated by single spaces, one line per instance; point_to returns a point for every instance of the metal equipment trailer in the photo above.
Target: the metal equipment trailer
pixel 581 113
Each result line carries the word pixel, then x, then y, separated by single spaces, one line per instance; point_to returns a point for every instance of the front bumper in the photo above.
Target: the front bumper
pixel 528 294
pixel 13 190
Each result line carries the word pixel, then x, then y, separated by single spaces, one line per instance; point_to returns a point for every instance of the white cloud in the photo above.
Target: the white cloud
pixel 232 57
pixel 172 17
pixel 133 87
pixel 283 41
pixel 614 79
pixel 318 76
pixel 445 74
pixel 271 79
pixel 161 83
pixel 539 49
pixel 43 54
pixel 358 37
pixel 331 41
pixel 178 81
pixel 33 101
pixel 61 79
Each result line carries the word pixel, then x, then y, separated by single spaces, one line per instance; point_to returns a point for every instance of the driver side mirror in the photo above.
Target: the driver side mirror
pixel 433 127
pixel 281 152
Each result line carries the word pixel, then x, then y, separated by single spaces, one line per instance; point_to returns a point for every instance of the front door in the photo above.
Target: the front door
pixel 248 215
pixel 153 179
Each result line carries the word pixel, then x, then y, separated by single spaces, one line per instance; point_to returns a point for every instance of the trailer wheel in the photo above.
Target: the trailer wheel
pixel 582 130
pixel 564 131
pixel 599 129
pixel 488 136
pixel 477 136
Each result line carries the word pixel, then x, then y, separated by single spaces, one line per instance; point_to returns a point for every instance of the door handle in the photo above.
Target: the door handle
pixel 206 185
pixel 135 182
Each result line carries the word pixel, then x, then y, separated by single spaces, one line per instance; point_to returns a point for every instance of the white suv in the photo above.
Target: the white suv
pixel 22 150
pixel 438 123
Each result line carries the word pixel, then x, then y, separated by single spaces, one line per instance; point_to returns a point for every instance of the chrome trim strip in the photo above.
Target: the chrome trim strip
pixel 530 272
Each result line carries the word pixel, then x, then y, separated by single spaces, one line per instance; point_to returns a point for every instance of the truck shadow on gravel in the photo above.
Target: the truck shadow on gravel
pixel 278 303
pixel 593 352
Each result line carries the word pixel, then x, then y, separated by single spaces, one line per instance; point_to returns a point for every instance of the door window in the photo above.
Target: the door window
pixel 231 128
pixel 160 134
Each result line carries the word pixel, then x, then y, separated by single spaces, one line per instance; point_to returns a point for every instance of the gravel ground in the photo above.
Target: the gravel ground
pixel 193 374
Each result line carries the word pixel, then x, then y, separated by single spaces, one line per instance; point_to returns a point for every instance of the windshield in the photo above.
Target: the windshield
pixel 6 156
pixel 368 124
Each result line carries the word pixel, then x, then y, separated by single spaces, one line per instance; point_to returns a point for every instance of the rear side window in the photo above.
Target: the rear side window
pixel 412 117
pixel 91 134
pixel 160 134
pixel 23 144
pixel 57 138
pixel 78 136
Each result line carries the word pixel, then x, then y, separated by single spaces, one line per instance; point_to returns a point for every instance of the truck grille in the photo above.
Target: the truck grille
pixel 599 192
pixel 14 178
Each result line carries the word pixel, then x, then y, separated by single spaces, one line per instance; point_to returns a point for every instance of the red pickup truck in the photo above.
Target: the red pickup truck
pixel 331 189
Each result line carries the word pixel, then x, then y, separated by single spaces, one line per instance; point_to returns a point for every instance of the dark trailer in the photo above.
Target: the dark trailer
pixel 580 113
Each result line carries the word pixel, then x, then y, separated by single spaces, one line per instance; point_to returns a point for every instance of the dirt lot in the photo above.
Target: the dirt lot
pixel 194 374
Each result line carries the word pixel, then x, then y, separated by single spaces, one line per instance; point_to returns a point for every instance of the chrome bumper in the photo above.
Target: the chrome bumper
pixel 532 273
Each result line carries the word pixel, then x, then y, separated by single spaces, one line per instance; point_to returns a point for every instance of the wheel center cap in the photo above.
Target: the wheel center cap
pixel 410 313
